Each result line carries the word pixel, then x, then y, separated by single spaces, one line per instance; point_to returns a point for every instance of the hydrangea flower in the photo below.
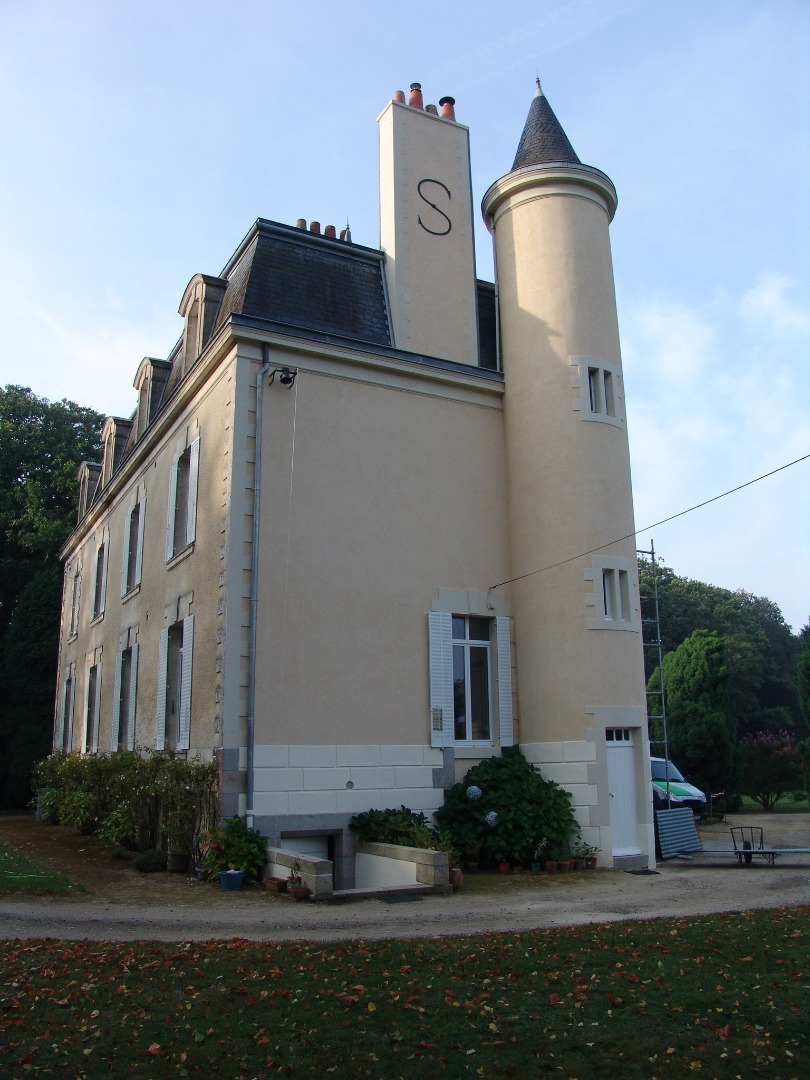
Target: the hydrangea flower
pixel 473 792
pixel 492 819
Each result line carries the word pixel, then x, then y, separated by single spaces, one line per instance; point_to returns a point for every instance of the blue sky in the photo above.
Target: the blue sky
pixel 143 139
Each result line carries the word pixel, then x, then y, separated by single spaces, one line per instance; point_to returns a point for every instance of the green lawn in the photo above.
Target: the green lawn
pixel 725 995
pixel 786 805
pixel 20 875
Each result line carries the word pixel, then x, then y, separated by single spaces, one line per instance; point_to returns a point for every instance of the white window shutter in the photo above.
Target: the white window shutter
pixel 103 596
pixel 85 747
pixel 505 718
pixel 170 511
pixel 184 730
pixel 116 713
pixel 442 718
pixel 125 561
pixel 133 696
pixel 193 476
pixel 61 719
pixel 139 542
pixel 71 706
pixel 97 708
pixel 160 716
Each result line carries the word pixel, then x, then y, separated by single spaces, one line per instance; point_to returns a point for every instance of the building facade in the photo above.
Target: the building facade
pixel 371 520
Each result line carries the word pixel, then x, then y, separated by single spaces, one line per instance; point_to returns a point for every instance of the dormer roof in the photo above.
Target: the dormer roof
pixel 543 139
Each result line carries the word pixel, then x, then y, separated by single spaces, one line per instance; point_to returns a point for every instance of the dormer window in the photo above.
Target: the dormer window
pixel 114 437
pixel 150 379
pixel 199 308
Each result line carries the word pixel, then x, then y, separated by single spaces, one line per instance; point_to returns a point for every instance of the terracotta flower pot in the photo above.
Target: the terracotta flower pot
pixel 518 868
pixel 299 892
pixel 590 862
pixel 551 866
pixel 456 878
pixel 563 866
pixel 504 868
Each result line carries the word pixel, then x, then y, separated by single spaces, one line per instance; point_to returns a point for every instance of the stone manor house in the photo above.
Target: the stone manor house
pixel 363 527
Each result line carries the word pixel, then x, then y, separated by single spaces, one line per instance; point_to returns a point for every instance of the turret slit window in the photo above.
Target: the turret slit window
pixel 613 595
pixel 599 390
pixel 471 681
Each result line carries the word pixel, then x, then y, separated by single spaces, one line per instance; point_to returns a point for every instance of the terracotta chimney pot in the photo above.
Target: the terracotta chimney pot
pixel 415 99
pixel 446 105
pixel 432 110
pixel 301 223
pixel 315 227
pixel 330 231
pixel 399 95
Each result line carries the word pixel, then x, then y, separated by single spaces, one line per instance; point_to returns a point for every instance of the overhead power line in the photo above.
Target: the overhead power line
pixel 663 521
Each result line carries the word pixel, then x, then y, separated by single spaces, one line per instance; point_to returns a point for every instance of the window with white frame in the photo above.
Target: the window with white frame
pixel 182 510
pixel 614 595
pixel 75 597
pixel 92 703
pixel 100 579
pixel 133 546
pixel 176 650
pixel 599 385
pixel 122 736
pixel 470 679
pixel 67 703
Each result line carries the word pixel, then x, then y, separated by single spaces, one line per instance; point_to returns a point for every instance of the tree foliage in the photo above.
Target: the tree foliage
pixel 772 767
pixel 701 731
pixel 42 444
pixel 761 651
pixel 803 673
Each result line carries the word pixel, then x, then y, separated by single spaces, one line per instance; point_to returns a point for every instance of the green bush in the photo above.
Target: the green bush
pixel 150 861
pixel 515 811
pixel 138 799
pixel 235 846
pixel 407 827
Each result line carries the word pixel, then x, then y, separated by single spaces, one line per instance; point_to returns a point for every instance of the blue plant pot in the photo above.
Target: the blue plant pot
pixel 231 880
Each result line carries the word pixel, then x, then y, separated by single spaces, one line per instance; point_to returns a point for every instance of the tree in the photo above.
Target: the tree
pixel 803 673
pixel 700 728
pixel 761 651
pixel 772 766
pixel 41 447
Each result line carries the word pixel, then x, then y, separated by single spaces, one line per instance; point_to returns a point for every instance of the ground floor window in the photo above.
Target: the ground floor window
pixel 470 679
pixel 124 699
pixel 174 685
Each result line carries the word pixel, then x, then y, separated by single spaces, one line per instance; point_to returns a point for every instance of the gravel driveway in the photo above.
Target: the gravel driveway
pixel 122 905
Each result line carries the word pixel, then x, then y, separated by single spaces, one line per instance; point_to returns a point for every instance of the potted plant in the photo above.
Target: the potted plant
pixel 589 853
pixel 539 855
pixel 295 883
pixel 236 846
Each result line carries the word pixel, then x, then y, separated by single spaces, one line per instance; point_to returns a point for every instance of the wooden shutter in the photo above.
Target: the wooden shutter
pixel 103 591
pixel 170 512
pixel 160 715
pixel 116 713
pixel 97 708
pixel 193 476
pixel 506 725
pixel 184 730
pixel 71 706
pixel 133 695
pixel 442 711
pixel 139 542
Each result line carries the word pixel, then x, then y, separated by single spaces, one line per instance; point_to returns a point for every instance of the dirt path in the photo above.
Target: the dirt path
pixel 121 904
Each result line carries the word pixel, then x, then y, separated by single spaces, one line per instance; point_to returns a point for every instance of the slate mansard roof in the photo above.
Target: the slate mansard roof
pixel 287 280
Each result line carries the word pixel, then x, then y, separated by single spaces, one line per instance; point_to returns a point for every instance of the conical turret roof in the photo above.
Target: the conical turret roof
pixel 543 138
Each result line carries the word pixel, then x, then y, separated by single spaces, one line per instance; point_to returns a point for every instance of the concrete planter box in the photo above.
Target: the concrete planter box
pixel 387 866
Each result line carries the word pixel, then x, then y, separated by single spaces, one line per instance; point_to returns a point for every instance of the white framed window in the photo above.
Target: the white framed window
pixel 599 385
pixel 181 518
pixel 125 692
pixel 92 702
pixel 100 577
pixel 615 595
pixel 75 599
pixel 470 679
pixel 64 739
pixel 132 565
pixel 175 655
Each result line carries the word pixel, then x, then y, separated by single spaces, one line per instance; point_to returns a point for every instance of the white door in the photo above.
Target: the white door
pixel 622 791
